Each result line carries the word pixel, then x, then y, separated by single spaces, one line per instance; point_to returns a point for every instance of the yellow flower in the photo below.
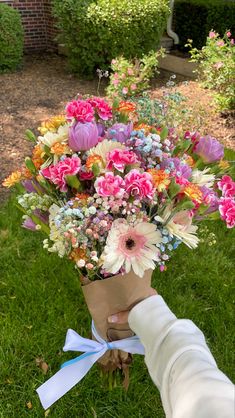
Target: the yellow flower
pixel 161 179
pixel 38 154
pixel 12 179
pixel 144 126
pixel 52 124
pixel 190 161
pixel 94 159
pixel 59 149
pixel 193 192
pixel 224 164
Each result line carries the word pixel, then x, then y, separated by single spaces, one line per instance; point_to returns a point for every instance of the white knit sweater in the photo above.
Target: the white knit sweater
pixel 181 364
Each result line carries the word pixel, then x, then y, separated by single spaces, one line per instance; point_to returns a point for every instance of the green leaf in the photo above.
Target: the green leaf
pixel 164 133
pixel 30 165
pixel 95 169
pixel 173 189
pixel 30 136
pixel 73 182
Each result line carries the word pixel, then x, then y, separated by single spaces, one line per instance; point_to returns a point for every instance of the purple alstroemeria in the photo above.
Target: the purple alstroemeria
pixel 209 149
pixel 83 136
pixel 42 216
pixel 32 186
pixel 120 132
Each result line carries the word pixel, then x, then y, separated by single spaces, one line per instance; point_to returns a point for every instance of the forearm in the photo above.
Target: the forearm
pixel 179 361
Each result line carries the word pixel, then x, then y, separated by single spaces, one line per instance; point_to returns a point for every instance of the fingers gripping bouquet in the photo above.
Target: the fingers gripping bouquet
pixel 117 196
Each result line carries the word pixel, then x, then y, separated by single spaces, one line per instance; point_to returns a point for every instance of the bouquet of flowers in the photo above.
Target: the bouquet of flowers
pixel 117 196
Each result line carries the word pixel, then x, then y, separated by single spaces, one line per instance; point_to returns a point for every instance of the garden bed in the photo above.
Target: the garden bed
pixel 43 87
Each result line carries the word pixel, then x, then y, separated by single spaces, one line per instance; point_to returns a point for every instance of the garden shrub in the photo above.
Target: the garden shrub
pixel 95 32
pixel 193 19
pixel 11 38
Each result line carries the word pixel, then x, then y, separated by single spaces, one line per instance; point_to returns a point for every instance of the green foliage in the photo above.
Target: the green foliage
pixel 11 38
pixel 41 298
pixel 130 77
pixel 217 67
pixel 193 19
pixel 95 32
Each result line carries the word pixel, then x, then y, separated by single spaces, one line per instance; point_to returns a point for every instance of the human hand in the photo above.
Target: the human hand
pixel 122 317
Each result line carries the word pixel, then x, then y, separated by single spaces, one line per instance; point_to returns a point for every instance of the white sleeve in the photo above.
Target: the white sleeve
pixel 181 364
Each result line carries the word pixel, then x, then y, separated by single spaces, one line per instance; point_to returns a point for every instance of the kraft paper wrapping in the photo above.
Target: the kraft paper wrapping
pixel 107 297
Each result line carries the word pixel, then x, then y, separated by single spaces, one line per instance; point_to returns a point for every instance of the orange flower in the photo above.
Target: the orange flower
pixel 94 159
pixel 193 192
pixel 12 179
pixel 144 126
pixel 78 254
pixel 190 161
pixel 80 200
pixel 26 173
pixel 59 149
pixel 161 179
pixel 38 154
pixel 126 107
pixel 52 124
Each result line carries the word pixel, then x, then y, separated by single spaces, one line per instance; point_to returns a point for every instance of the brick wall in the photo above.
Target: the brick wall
pixel 38 23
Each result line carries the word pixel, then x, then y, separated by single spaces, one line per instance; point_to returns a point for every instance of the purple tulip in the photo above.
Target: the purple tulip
pixel 120 132
pixel 83 136
pixel 209 149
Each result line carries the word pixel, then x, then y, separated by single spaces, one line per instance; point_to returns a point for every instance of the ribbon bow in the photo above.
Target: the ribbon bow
pixel 74 370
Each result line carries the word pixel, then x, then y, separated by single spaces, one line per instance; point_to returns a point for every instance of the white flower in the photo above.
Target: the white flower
pixel 102 148
pixel 131 247
pixel 201 178
pixel 180 225
pixel 50 138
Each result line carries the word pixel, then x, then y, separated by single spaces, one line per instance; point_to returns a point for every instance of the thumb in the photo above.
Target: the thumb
pixel 119 318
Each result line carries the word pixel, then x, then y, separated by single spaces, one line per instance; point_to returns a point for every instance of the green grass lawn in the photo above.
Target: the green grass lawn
pixel 40 298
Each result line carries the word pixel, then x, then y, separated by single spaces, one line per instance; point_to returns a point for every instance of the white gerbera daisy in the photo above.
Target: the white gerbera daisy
pixel 50 138
pixel 131 247
pixel 102 148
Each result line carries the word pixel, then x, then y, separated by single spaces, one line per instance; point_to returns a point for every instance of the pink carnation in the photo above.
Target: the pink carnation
pixel 102 108
pixel 227 211
pixel 227 186
pixel 139 184
pixel 119 159
pixel 110 185
pixel 80 110
pixel 86 175
pixel 228 34
pixel 124 90
pixel 57 173
pixel 220 43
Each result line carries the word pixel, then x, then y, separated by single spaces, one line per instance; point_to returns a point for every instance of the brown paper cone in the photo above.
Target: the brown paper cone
pixel 107 297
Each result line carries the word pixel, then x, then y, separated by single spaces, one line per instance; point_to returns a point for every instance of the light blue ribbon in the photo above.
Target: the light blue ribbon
pixel 74 370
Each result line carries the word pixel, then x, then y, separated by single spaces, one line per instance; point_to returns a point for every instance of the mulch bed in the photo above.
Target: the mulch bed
pixel 43 87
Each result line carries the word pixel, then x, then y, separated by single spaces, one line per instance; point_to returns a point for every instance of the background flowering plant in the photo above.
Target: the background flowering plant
pixel 130 77
pixel 217 67
pixel 115 194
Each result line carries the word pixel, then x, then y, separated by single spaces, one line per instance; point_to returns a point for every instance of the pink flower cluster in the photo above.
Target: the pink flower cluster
pixel 227 202
pixel 84 110
pixel 227 186
pixel 136 184
pixel 57 173
pixel 80 110
pixel 119 159
pixel 227 211
pixel 102 108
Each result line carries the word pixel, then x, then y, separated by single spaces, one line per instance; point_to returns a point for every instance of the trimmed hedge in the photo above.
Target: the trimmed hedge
pixel 95 32
pixel 193 19
pixel 11 38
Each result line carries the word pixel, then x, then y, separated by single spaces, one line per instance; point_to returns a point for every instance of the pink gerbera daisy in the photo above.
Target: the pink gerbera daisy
pixel 131 246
